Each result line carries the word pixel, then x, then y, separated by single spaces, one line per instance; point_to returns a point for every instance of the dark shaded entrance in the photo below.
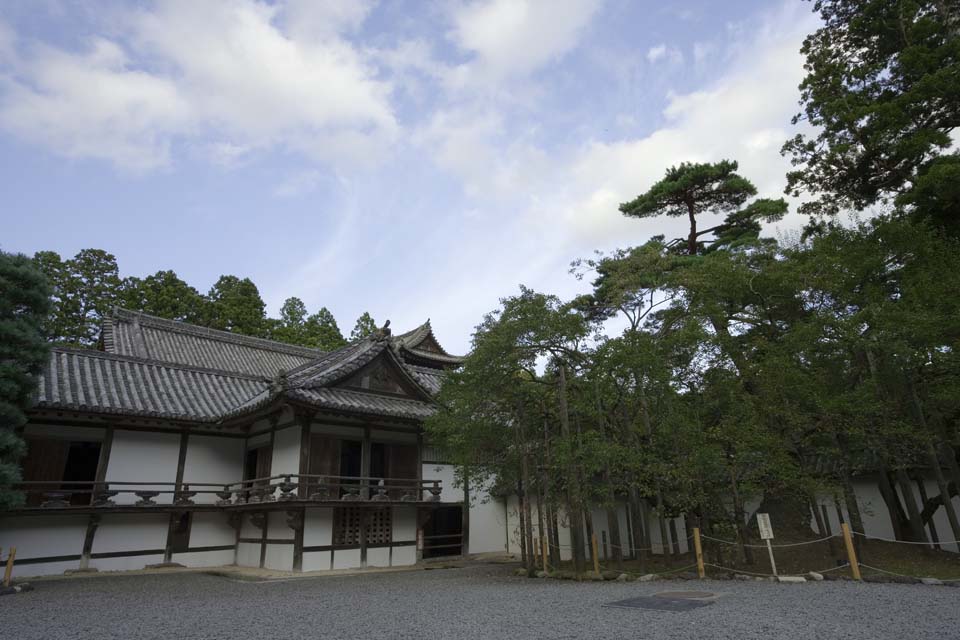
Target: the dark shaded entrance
pixel 443 533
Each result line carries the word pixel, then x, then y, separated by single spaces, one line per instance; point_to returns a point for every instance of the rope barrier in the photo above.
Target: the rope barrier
pixel 763 546
pixel 903 575
pixel 929 544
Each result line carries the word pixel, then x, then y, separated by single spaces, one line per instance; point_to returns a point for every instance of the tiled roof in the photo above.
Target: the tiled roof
pixel 411 340
pixel 144 336
pixel 172 370
pixel 105 383
pixel 364 403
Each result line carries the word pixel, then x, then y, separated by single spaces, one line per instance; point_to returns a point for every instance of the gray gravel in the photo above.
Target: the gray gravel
pixel 476 602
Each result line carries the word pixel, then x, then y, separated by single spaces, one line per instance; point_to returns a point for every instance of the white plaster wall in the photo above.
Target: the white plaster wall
pixel 487 520
pixel 279 557
pixel 316 561
pixel 318 530
pixel 404 556
pixel 444 473
pixel 212 459
pixel 286 452
pixel 142 456
pixel 131 563
pixel 248 554
pixel 379 557
pixel 346 559
pixel 404 524
pixel 247 528
pixel 131 532
pixel 211 530
pixel 204 558
pixel 43 536
pixel 277 528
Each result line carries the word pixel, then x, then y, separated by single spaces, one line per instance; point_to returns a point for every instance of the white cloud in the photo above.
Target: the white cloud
pixel 662 52
pixel 93 105
pixel 218 70
pixel 298 184
pixel 514 38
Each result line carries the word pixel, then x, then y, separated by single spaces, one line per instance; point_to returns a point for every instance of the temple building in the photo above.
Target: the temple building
pixel 182 444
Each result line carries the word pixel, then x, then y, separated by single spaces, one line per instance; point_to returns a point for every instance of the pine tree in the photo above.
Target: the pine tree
pixel 24 305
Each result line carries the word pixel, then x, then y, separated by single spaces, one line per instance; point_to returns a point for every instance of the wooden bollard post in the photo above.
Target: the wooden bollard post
pixel 543 552
pixel 596 557
pixel 851 552
pixel 9 570
pixel 701 570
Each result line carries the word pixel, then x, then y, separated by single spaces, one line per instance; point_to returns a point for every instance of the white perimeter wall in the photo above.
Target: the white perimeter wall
pixel 444 473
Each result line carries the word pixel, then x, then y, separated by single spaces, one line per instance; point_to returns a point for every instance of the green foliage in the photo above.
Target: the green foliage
pixel 162 294
pixel 882 92
pixel 235 305
pixel 24 309
pixel 85 289
pixel 364 327
pixel 321 331
pixel 695 189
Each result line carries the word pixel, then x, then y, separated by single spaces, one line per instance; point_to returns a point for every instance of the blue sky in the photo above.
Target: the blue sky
pixel 413 159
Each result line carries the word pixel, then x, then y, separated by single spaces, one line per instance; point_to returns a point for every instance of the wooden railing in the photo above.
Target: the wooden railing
pixel 279 488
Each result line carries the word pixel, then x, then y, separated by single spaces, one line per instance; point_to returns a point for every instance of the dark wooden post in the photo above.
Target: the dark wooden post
pixel 92 523
pixel 305 421
pixel 295 520
pixel 178 487
pixel 365 463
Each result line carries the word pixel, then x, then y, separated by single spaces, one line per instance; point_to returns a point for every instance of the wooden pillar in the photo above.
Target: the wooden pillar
pixel 365 463
pixel 92 523
pixel 305 422
pixel 296 521
pixel 104 460
pixel 174 516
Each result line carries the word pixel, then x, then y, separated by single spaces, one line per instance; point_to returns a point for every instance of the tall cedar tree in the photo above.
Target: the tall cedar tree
pixel 24 305
pixel 235 305
pixel 364 327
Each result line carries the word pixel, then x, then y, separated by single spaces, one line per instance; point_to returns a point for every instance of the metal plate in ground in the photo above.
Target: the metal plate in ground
pixel 658 603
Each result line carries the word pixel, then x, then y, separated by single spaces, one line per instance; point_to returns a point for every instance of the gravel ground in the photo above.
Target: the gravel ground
pixel 475 602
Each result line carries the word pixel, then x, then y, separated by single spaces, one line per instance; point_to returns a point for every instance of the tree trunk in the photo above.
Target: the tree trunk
pixel 892 500
pixel 640 538
pixel 573 483
pixel 739 515
pixel 662 519
pixel 944 491
pixel 692 238
pixel 531 563
pixel 674 538
pixel 916 522
pixel 934 538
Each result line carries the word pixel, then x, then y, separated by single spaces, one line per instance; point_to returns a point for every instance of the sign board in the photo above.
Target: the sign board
pixel 763 521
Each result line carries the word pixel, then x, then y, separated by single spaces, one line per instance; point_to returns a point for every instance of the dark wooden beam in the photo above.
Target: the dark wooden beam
pixel 105 447
pixel 92 523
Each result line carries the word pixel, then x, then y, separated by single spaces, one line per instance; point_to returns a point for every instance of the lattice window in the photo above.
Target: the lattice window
pixel 347 529
pixel 380 526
